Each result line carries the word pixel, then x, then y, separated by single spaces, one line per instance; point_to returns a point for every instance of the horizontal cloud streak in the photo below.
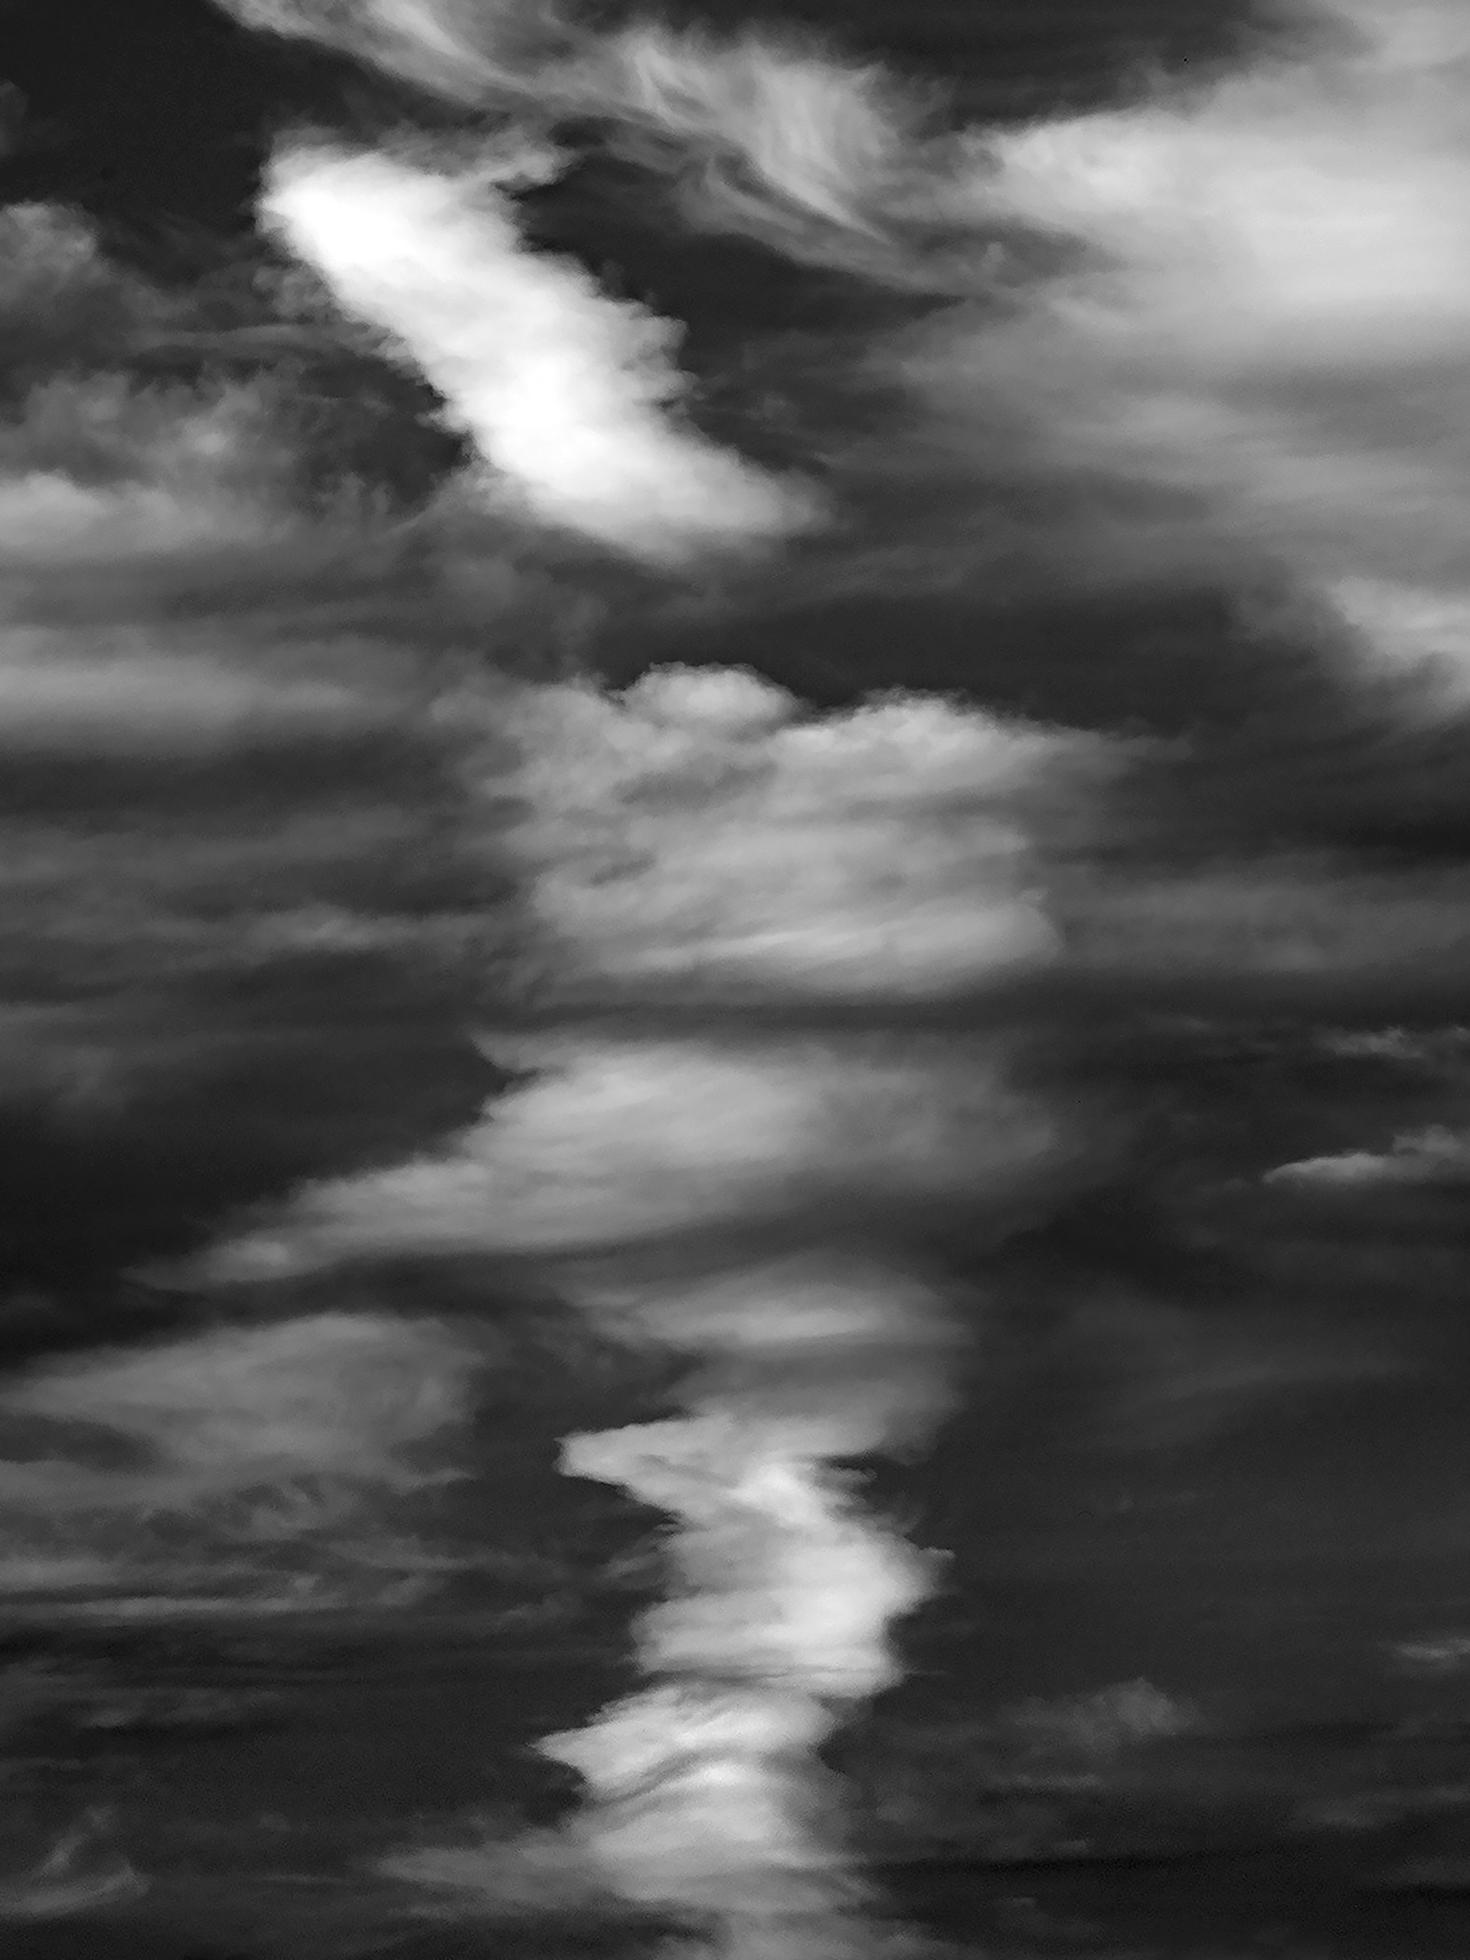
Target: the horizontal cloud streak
pixel 480 826
pixel 236 1462
pixel 621 1140
pixel 1436 1156
pixel 1264 311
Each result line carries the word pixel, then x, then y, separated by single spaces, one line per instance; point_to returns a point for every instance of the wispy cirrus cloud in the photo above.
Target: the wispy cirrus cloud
pixel 243 1465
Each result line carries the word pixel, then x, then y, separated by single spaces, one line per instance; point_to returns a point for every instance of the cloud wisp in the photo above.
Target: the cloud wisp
pixel 1260 320
pixel 239 1469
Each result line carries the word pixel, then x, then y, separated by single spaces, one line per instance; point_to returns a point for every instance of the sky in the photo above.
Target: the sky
pixel 741 737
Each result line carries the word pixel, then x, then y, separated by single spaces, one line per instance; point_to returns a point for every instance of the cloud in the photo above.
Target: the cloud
pixel 62 303
pixel 821 156
pixel 788 1011
pixel 243 1464
pixel 134 697
pixel 73 1879
pixel 1211 334
pixel 630 1150
pixel 621 1140
pixel 1435 1156
pixel 465 52
pixel 700 834
pixel 1305 929
pixel 506 1874
pixel 1435 1657
pixel 1260 313
pixel 1399 1046
pixel 763 133
pixel 1166 1376
pixel 219 760
pixel 340 1394
pixel 569 396
pixel 103 478
pixel 832 1343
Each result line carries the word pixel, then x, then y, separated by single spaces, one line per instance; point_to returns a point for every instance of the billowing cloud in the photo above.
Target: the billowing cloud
pixel 700 832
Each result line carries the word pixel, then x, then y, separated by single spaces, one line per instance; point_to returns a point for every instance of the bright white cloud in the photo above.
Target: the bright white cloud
pixel 569 395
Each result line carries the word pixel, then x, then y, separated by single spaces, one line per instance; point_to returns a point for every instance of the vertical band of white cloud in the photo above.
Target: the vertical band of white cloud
pixel 693 838
pixel 1263 316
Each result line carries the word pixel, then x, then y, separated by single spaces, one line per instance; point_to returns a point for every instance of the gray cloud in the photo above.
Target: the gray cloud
pixel 1436 1156
pixel 240 1467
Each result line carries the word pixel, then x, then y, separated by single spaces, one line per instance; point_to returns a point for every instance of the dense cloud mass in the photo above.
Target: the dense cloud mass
pixel 703 698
